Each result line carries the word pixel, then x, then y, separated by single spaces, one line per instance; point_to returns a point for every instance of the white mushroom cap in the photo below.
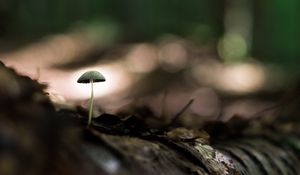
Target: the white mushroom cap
pixel 91 75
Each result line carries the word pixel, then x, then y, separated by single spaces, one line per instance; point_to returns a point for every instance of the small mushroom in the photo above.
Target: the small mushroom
pixel 91 77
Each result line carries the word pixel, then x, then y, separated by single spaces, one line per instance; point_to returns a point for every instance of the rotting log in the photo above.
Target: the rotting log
pixel 36 138
pixel 160 154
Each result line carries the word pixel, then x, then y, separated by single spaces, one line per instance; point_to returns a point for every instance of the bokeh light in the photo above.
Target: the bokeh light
pixel 242 78
pixel 232 47
pixel 173 56
pixel 142 58
pixel 116 80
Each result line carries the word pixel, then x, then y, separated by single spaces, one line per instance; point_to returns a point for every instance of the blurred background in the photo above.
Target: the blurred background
pixel 233 57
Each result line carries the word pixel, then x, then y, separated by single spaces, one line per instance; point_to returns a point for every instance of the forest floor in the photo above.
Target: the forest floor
pixel 38 136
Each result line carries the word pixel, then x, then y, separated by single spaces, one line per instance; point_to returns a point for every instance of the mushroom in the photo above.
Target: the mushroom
pixel 91 77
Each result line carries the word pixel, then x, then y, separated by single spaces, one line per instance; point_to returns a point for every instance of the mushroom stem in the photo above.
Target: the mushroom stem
pixel 91 104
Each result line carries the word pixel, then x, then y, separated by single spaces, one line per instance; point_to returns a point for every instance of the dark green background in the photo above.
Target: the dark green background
pixel 276 27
